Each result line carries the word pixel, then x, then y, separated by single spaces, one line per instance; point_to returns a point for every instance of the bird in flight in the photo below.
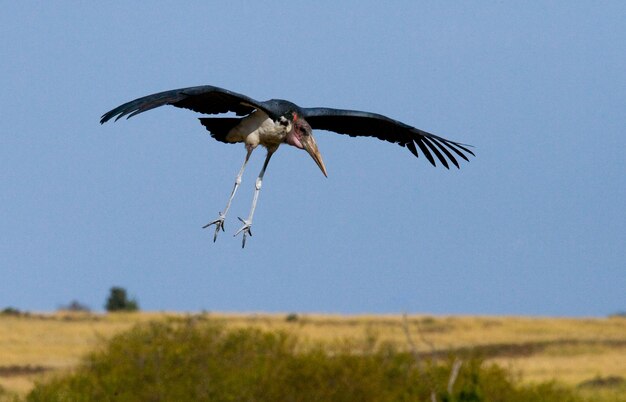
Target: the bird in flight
pixel 274 122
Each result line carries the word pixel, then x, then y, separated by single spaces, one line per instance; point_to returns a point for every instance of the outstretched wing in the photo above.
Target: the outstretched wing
pixel 203 99
pixel 364 124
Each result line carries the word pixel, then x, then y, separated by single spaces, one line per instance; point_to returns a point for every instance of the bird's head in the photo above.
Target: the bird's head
pixel 301 136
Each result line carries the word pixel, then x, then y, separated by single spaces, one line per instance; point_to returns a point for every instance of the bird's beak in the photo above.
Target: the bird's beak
pixel 308 142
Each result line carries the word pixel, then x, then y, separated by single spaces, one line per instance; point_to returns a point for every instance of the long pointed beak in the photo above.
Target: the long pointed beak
pixel 310 146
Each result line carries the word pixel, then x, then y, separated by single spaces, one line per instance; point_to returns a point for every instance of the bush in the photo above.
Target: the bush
pixel 75 306
pixel 118 301
pixel 197 360
pixel 11 311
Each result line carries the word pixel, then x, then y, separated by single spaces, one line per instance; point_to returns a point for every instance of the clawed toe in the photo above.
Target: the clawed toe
pixel 245 229
pixel 219 224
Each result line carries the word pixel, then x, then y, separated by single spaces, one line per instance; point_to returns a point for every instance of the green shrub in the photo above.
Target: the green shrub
pixel 291 317
pixel 197 360
pixel 75 306
pixel 11 311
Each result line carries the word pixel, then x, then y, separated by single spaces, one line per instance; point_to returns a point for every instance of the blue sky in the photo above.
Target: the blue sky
pixel 534 225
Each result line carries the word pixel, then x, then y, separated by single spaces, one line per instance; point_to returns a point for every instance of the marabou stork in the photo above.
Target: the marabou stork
pixel 276 121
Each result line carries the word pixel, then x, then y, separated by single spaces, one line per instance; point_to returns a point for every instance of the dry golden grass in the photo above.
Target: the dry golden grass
pixel 541 349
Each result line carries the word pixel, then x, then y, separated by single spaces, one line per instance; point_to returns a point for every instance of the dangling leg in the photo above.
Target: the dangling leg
pixel 219 223
pixel 247 223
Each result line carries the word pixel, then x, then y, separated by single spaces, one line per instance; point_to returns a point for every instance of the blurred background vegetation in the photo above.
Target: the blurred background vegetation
pixel 126 355
pixel 197 360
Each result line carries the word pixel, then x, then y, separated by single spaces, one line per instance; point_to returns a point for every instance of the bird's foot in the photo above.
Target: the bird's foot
pixel 219 224
pixel 245 229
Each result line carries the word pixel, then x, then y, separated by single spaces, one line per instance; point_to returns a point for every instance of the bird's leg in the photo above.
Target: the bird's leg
pixel 219 222
pixel 247 223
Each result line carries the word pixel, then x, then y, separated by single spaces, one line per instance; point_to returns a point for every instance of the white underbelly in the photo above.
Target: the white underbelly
pixel 258 129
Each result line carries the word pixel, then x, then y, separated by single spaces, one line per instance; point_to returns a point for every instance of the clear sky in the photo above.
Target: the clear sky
pixel 534 225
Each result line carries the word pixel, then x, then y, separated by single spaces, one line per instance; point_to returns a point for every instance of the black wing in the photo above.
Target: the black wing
pixel 365 124
pixel 203 99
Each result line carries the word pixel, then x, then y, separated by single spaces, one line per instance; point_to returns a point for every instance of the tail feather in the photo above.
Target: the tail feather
pixel 219 127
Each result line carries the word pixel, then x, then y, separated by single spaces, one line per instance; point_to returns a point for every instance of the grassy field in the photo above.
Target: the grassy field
pixel 570 351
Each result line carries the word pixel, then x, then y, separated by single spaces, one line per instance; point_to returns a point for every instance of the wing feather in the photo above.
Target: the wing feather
pixel 432 146
pixel 203 99
pixel 426 152
pixel 445 151
pixel 365 124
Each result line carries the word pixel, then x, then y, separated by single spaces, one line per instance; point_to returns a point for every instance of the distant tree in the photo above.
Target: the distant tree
pixel 10 311
pixel 118 301
pixel 75 306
